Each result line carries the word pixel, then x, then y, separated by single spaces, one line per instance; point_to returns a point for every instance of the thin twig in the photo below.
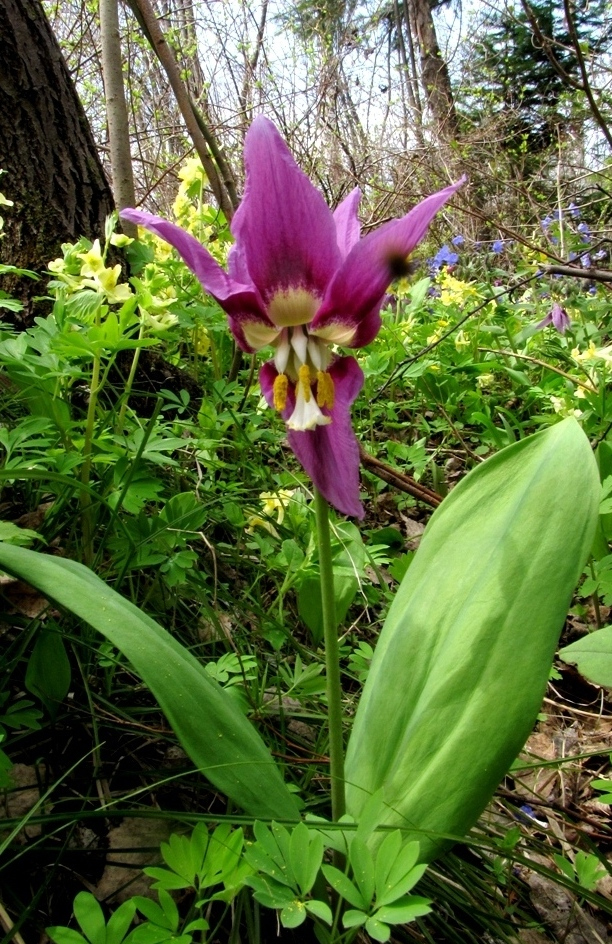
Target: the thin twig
pixel 536 360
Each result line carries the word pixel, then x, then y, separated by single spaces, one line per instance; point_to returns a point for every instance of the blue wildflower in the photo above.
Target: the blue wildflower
pixel 458 240
pixel 498 246
pixel 444 256
pixel 574 211
pixel 585 232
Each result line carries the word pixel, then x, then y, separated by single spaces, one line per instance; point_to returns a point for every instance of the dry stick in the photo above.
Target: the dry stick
pixel 405 483
pixel 8 925
pixel 146 17
pixel 591 275
pixel 536 360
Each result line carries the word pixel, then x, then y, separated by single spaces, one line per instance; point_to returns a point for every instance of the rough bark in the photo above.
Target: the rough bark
pixel 54 174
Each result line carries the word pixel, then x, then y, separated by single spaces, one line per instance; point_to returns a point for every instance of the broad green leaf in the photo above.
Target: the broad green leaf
pixel 283 841
pixel 293 914
pixel 353 918
pixel 65 936
pixel 48 674
pixel 378 930
pixel 362 864
pixel 385 857
pixel 315 858
pixel 220 741
pixel 119 922
pixel 404 911
pixel 299 846
pixel 177 855
pixel 320 909
pixel 345 888
pixel 461 665
pixel 90 917
pixel 592 656
pixel 166 879
pixel 404 864
pixel 398 887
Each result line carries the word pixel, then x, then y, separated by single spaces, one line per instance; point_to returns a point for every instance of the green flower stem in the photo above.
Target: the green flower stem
pixel 332 659
pixel 86 504
pixel 129 382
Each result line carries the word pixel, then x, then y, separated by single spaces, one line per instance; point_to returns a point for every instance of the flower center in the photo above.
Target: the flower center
pixel 302 360
pixel 292 306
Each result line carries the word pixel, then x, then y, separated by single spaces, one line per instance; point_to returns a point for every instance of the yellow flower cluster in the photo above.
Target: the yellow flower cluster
pixel 273 506
pixel 592 353
pixel 189 209
pixel 94 274
pixel 455 292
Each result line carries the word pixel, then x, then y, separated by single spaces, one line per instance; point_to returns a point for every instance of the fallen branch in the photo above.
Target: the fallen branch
pixel 405 483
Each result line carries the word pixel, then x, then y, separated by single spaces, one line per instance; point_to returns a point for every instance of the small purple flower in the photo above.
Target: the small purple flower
pixel 574 211
pixel 458 240
pixel 600 254
pixel 546 222
pixel 300 279
pixel 557 317
pixel 585 260
pixel 498 246
pixel 585 232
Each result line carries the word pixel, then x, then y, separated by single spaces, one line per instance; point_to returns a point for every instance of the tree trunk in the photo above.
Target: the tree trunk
pixel 434 71
pixel 116 111
pixel 53 172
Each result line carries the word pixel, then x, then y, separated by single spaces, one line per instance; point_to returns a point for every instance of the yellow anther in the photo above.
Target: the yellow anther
pixel 281 385
pixel 304 381
pixel 325 389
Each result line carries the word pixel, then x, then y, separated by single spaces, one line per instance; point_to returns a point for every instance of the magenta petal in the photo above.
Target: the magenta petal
pixel 348 227
pixel 207 270
pixel 283 226
pixel 241 301
pixel 358 288
pixel 329 454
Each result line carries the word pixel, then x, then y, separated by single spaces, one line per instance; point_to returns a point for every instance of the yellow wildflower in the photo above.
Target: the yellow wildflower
pixel 454 291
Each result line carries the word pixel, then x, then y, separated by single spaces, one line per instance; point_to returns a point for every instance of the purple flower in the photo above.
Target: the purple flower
pixel 546 222
pixel 498 246
pixel 574 211
pixel 300 279
pixel 585 232
pixel 458 240
pixel 444 256
pixel 557 317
